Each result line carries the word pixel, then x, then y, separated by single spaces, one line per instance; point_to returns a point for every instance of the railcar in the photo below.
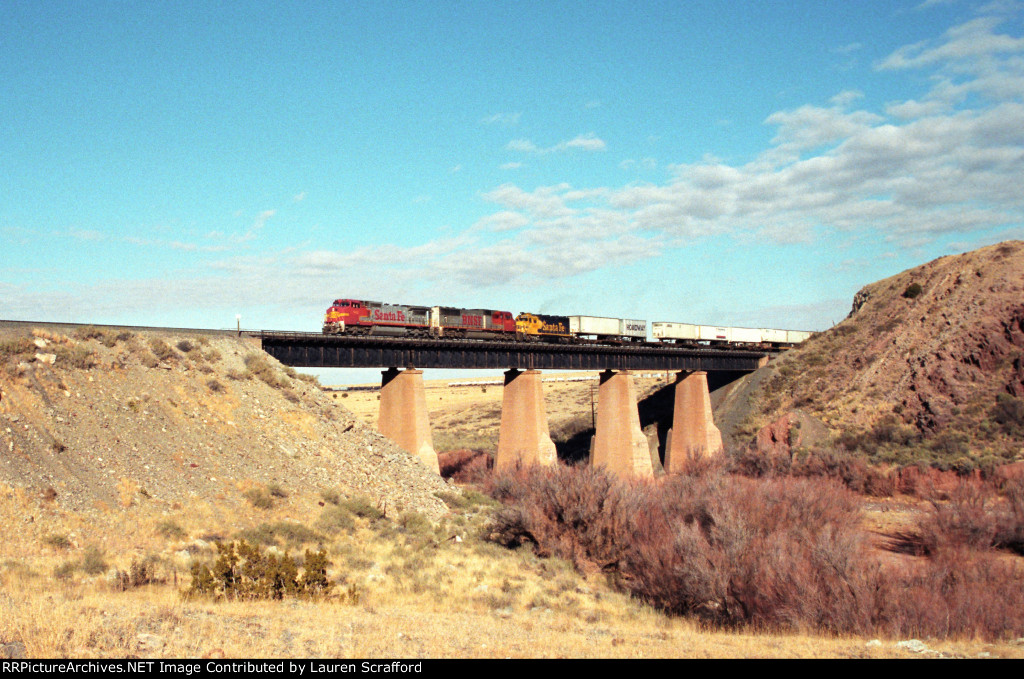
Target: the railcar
pixel 692 334
pixel 364 317
pixel 473 323
pixel 607 329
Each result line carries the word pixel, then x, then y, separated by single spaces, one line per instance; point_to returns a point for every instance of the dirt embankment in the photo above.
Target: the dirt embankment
pixel 928 366
pixel 103 418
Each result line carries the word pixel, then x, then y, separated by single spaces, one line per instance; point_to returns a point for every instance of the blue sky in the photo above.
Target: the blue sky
pixel 742 163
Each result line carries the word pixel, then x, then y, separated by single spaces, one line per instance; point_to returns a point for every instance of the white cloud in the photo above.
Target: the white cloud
pixel 502 119
pixel 849 48
pixel 262 219
pixel 971 40
pixel 86 235
pixel 503 221
pixel 585 142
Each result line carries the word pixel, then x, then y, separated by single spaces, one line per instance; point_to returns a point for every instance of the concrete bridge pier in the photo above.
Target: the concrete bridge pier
pixel 524 438
pixel 619 444
pixel 693 434
pixel 403 414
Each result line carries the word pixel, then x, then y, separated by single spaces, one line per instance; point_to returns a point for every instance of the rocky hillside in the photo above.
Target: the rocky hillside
pixel 101 418
pixel 928 366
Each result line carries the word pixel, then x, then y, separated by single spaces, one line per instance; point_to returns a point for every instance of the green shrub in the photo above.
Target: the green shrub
pixel 93 561
pixel 259 498
pixel 414 523
pixel 336 520
pixel 468 499
pixel 1008 412
pixel 170 529
pixel 246 572
pixel 362 506
pixel 139 574
pixel 289 532
pixel 57 541
pixel 913 290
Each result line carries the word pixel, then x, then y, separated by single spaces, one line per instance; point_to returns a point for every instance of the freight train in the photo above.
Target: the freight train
pixel 363 317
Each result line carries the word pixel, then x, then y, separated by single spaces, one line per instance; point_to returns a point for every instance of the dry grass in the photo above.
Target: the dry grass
pixel 423 590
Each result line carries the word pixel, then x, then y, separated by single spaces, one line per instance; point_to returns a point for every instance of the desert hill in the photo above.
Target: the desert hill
pixel 928 366
pixel 100 418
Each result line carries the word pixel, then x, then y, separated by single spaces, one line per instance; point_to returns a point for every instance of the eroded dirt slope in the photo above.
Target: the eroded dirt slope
pixel 105 418
pixel 930 362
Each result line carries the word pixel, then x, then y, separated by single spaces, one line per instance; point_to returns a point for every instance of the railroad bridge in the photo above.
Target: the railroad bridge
pixel 524 438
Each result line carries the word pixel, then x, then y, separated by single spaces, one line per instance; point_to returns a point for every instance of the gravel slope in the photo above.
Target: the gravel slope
pixel 102 418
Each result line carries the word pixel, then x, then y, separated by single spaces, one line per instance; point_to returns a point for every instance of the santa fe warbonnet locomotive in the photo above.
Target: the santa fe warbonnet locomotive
pixel 363 317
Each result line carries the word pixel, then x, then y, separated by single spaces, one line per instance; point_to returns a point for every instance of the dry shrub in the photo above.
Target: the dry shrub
pixel 18 347
pixel 851 470
pixel 126 491
pixel 576 513
pixel 778 553
pixel 258 365
pixel 52 336
pixel 162 350
pixel 465 466
pixel 976 515
pixel 78 357
pixel 956 592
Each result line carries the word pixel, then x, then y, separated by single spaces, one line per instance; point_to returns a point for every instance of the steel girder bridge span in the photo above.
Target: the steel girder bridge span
pixel 316 350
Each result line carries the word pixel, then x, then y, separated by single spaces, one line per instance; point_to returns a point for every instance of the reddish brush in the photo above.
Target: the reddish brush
pixel 776 553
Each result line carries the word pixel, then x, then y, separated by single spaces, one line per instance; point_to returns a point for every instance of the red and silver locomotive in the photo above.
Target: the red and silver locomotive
pixel 363 317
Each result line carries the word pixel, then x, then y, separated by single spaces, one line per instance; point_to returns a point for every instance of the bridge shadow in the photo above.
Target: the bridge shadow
pixel 655 406
pixel 572 438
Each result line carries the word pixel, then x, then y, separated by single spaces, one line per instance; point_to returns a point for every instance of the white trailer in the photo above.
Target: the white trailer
pixel 662 330
pixel 772 336
pixel 714 334
pixel 602 328
pixel 690 332
pixel 745 335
